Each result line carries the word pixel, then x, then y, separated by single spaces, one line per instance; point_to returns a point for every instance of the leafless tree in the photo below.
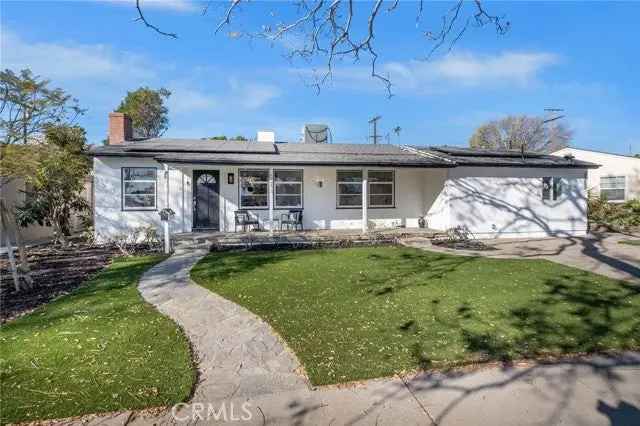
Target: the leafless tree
pixel 336 30
pixel 518 132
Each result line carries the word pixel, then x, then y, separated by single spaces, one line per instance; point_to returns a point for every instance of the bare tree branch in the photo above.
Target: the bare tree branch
pixel 142 18
pixel 227 15
pixel 328 30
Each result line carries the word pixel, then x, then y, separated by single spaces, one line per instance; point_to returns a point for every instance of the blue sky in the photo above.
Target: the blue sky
pixel 580 56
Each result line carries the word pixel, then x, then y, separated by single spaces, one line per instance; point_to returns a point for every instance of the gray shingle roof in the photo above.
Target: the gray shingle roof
pixel 243 152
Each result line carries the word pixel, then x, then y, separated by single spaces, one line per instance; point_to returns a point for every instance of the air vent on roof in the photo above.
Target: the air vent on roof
pixel 266 136
pixel 315 133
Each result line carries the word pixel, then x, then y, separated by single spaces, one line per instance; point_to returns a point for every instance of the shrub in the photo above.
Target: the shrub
pixel 615 216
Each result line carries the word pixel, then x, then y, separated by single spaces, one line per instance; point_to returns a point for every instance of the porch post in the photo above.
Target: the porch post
pixel 365 199
pixel 165 223
pixel 270 198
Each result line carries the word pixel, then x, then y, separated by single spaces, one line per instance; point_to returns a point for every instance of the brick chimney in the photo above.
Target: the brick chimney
pixel 120 129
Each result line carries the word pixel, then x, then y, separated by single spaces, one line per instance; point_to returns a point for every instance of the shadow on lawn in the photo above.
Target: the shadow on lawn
pixel 572 316
pixel 225 265
pixel 397 270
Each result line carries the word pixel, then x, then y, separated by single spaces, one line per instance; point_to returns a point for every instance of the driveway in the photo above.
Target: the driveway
pixel 600 253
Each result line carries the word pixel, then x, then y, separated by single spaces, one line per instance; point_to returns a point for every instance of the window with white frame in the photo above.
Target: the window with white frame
pixel 139 188
pixel 381 188
pixel 552 188
pixel 287 188
pixel 349 188
pixel 612 188
pixel 254 188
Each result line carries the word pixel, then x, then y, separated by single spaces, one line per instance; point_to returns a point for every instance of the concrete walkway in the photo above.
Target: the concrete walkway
pixel 599 253
pixel 247 376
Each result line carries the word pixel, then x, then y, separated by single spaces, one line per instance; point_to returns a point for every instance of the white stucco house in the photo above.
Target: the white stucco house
pixel 618 177
pixel 336 186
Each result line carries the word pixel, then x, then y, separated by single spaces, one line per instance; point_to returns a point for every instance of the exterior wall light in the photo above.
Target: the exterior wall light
pixel 230 178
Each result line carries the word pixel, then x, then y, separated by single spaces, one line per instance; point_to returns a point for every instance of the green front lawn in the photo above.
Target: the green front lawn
pixel 101 348
pixel 369 312
pixel 630 242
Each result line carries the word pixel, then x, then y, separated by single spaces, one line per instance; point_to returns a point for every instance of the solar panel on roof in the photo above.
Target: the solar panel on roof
pixel 198 145
pixel 471 152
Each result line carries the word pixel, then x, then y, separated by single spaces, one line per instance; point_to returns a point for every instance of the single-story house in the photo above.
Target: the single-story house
pixel 337 186
pixel 618 177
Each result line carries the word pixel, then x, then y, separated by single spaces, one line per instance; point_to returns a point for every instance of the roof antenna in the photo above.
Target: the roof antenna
pixel 374 121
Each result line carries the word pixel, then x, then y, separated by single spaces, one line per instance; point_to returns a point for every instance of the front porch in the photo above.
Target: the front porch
pixel 265 240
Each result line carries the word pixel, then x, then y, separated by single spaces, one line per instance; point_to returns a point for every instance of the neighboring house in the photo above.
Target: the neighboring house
pixel 618 177
pixel 14 192
pixel 494 194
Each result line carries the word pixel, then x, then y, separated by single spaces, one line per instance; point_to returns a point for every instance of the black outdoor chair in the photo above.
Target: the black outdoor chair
pixel 291 219
pixel 244 219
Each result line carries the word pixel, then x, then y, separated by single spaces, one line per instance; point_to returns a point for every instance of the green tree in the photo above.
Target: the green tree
pixel 516 132
pixel 57 184
pixel 147 110
pixel 28 104
pixel 225 138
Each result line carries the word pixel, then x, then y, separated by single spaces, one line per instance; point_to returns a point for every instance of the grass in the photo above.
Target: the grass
pixel 360 313
pixel 630 242
pixel 101 348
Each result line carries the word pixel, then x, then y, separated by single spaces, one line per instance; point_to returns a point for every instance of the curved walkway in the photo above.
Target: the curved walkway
pixel 238 354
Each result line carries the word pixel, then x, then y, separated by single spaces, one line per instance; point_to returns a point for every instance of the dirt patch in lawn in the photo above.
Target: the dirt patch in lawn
pixel 55 271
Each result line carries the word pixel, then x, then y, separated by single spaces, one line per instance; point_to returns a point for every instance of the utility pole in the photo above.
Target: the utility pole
pixel 374 122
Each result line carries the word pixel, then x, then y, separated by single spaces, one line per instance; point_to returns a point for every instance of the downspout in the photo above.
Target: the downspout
pixel 270 198
pixel 165 223
pixel 365 204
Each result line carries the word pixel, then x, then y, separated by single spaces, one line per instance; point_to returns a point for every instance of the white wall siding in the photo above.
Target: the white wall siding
pixel 610 165
pixel 413 198
pixel 491 202
pixel 435 199
pixel 110 219
pixel 507 202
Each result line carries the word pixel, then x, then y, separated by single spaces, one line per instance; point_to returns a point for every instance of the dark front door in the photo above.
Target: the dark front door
pixel 206 200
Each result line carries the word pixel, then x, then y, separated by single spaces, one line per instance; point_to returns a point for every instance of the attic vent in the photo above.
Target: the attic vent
pixel 315 133
pixel 569 157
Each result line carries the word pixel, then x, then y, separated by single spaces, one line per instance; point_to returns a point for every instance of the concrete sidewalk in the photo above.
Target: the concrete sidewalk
pixel 590 391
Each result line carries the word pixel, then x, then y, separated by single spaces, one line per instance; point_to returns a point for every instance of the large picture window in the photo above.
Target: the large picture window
pixel 349 188
pixel 287 188
pixel 139 188
pixel 381 188
pixel 612 188
pixel 254 188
